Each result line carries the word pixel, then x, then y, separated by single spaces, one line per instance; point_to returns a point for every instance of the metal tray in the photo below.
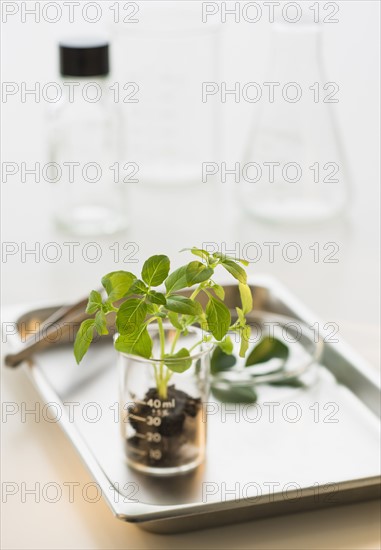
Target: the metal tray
pixel 255 467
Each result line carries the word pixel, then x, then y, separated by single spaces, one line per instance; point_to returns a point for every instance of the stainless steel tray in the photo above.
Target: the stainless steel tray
pixel 255 467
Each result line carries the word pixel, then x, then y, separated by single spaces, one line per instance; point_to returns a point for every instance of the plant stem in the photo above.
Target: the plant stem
pixel 177 335
pixel 156 376
pixel 150 320
pixel 168 376
pixel 162 384
pixel 162 337
pixel 195 345
pixel 195 292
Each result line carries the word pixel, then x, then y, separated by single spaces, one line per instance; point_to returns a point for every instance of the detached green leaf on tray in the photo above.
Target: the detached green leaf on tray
pixel 221 361
pixel 235 394
pixel 289 382
pixel 226 345
pixel 268 348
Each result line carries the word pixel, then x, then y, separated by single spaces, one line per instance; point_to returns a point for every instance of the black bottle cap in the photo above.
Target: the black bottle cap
pixel 90 58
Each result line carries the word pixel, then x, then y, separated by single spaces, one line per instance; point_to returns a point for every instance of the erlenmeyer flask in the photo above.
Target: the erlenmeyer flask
pixel 294 168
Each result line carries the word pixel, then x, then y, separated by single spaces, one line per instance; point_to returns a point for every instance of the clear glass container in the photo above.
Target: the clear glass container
pixel 274 378
pixel 163 61
pixel 165 435
pixel 294 166
pixel 89 194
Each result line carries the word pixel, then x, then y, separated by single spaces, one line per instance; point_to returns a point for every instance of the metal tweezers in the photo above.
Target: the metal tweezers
pixel 63 319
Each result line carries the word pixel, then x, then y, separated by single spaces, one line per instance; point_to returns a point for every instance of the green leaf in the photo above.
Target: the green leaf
pixel 83 339
pixel 241 316
pixel 221 361
pixel 220 256
pixel 289 382
pixel 157 298
pixel 174 319
pixel 107 307
pixel 117 284
pixel 160 314
pixel 218 291
pixel 100 323
pixel 218 318
pixel 268 348
pixel 224 257
pixel 94 303
pixel 245 337
pixel 138 287
pixel 196 273
pixel 226 345
pixel 180 304
pixel 135 343
pixel 236 270
pixel 188 320
pixel 176 280
pixel 246 298
pixel 236 394
pixel 197 252
pixel 178 362
pixel 131 315
pixel 243 262
pixel 155 270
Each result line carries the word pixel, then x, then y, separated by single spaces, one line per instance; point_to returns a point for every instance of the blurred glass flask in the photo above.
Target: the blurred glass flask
pixel 294 169
pixel 84 142
pixel 163 61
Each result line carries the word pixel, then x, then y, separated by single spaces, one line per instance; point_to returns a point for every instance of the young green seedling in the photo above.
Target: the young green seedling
pixel 137 302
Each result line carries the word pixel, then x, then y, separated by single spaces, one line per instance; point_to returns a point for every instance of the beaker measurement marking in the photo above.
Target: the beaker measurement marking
pixel 140 402
pixel 142 436
pixel 169 404
pixel 139 452
pixel 159 412
pixel 153 437
pixel 158 404
pixel 138 418
pixel 153 421
pixel 155 454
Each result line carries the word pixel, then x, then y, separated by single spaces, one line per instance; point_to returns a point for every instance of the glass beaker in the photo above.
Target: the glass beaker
pixel 294 168
pixel 162 62
pixel 163 425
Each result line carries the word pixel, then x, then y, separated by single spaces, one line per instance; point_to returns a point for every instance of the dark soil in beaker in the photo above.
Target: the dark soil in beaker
pixel 168 433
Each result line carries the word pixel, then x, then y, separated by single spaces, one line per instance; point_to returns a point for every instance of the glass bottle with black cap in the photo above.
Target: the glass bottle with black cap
pixel 85 144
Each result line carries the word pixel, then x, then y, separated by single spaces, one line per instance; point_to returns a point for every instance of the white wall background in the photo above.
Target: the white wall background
pixel 343 291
